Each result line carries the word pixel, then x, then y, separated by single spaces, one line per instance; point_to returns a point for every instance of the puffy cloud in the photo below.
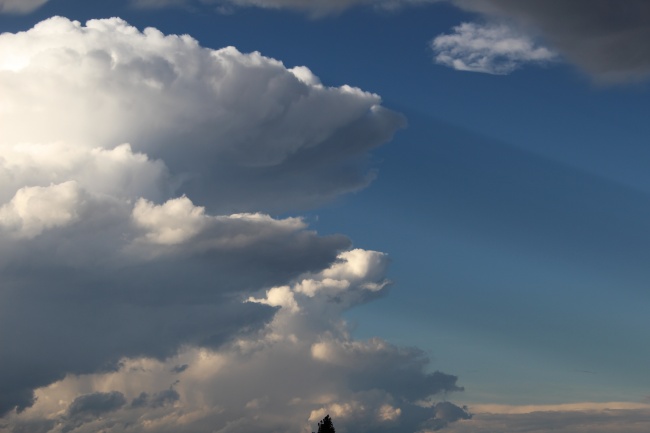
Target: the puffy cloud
pixel 605 38
pixel 112 172
pixel 110 136
pixel 287 376
pixel 493 49
pixel 236 132
pixel 145 286
pixel 34 209
pixel 20 6
pixel 313 7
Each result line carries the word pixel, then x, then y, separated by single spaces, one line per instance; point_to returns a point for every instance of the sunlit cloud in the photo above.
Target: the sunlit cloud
pixel 145 275
pixel 492 49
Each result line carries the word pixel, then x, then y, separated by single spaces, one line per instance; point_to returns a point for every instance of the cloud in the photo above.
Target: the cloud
pixel 286 376
pixel 96 404
pixel 316 8
pixel 237 132
pixel 605 38
pixel 569 418
pixel 445 414
pixel 20 6
pixel 158 399
pixel 35 209
pixel 492 48
pixel 145 285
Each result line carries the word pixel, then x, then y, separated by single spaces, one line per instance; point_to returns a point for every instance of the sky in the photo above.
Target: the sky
pixel 243 215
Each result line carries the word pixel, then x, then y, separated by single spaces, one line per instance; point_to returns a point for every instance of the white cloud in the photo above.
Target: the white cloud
pixel 492 48
pixel 115 172
pixel 137 173
pixel 173 222
pixel 238 132
pixel 34 209
pixel 278 297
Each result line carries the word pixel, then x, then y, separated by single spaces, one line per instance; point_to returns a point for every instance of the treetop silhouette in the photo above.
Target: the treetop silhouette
pixel 325 425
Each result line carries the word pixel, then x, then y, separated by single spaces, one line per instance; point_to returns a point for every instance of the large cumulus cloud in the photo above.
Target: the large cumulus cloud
pixel 285 377
pixel 257 136
pixel 137 175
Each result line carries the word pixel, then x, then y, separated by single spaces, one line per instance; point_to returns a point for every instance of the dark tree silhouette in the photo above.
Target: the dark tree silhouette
pixel 326 426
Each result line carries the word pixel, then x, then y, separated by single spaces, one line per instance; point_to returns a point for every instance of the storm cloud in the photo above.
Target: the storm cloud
pixel 286 376
pixel 138 173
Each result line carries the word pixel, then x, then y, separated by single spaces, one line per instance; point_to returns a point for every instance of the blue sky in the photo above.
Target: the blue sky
pixel 509 210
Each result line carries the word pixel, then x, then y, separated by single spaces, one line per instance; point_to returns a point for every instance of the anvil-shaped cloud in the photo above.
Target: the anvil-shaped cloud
pixel 137 171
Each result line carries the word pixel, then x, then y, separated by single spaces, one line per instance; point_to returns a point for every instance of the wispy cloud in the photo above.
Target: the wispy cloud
pixel 489 48
pixel 623 417
pixel 315 8
pixel 20 6
pixel 565 407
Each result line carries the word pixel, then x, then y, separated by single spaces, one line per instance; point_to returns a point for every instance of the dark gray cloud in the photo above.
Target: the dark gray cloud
pixel 606 38
pixel 446 413
pixel 83 332
pixel 159 399
pixel 89 407
pixel 96 404
pixel 179 368
pixel 32 426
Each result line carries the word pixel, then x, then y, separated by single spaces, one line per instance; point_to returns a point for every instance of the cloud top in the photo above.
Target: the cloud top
pixel 238 132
